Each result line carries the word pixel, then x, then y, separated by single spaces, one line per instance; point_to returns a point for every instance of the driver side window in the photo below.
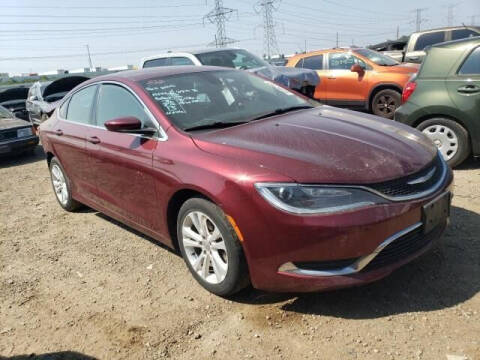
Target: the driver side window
pixel 115 102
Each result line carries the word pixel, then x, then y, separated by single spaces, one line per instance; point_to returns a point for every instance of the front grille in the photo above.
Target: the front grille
pixel 404 247
pixel 396 251
pixel 8 134
pixel 401 187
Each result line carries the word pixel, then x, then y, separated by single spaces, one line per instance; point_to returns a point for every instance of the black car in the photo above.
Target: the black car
pixel 16 135
pixel 43 97
pixel 13 98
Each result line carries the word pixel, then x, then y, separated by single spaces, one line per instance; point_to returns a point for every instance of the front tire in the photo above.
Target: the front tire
pixel 211 248
pixel 385 102
pixel 450 137
pixel 62 186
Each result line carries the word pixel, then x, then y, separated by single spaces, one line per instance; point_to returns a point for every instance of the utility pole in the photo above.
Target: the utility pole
pixel 218 16
pixel 450 14
pixel 398 31
pixel 419 20
pixel 266 9
pixel 337 41
pixel 89 57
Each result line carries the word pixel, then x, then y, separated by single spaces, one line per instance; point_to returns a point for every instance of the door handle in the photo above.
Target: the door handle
pixel 413 57
pixel 58 132
pixel 468 89
pixel 331 77
pixel 93 139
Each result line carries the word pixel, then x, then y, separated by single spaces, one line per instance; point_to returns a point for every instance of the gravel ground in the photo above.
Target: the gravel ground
pixel 83 286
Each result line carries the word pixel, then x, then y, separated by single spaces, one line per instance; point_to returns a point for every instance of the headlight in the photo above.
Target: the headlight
pixel 24 132
pixel 305 199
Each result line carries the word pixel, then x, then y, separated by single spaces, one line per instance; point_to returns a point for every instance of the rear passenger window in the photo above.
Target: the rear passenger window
pixel 313 62
pixel 463 34
pixel 80 105
pixel 471 66
pixel 116 102
pixel 429 39
pixel 175 61
pixel 155 62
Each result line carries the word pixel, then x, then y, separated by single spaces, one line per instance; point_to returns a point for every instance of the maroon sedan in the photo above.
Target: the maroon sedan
pixel 250 181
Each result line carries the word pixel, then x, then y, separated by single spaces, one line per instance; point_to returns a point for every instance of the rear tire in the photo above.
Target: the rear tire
pixel 450 137
pixel 62 186
pixel 385 102
pixel 212 252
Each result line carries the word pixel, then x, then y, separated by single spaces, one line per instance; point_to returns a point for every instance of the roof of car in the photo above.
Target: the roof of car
pixel 153 72
pixel 477 28
pixel 459 42
pixel 321 51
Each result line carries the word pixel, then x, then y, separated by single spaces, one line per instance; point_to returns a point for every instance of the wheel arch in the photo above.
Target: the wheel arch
pixel 379 87
pixel 173 207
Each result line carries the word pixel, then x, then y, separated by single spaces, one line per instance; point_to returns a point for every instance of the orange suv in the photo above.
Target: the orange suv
pixel 357 78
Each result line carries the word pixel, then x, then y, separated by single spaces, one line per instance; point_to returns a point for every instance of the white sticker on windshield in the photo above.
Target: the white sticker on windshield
pixel 228 96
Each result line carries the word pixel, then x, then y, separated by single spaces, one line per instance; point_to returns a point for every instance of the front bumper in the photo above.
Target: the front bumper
pixel 18 145
pixel 277 244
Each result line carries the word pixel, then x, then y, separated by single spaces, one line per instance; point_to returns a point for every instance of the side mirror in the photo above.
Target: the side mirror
pixel 358 69
pixel 128 124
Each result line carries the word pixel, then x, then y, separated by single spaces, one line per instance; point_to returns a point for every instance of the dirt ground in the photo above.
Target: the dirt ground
pixel 82 286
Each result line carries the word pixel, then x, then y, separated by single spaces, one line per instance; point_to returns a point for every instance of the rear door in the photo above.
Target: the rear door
pixel 122 162
pixel 69 139
pixel 316 62
pixel 344 87
pixel 464 90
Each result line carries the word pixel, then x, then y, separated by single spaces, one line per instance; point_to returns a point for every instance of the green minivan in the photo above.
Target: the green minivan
pixel 443 99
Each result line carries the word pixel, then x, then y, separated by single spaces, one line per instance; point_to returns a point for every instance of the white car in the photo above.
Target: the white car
pixel 301 80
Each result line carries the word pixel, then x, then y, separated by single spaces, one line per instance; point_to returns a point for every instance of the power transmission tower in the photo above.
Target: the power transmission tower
pixel 266 9
pixel 419 20
pixel 218 16
pixel 450 14
pixel 89 57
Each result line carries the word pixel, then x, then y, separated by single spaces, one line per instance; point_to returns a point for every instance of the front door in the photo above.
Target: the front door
pixel 344 87
pixel 123 162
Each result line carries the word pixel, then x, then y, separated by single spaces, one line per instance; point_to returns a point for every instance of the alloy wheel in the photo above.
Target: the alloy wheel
pixel 205 247
pixel 59 184
pixel 386 105
pixel 444 138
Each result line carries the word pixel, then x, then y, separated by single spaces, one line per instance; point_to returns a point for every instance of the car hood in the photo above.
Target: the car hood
pixel 290 77
pixel 11 123
pixel 324 145
pixel 401 69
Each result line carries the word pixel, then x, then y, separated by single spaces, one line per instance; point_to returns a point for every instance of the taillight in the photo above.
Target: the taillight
pixel 408 90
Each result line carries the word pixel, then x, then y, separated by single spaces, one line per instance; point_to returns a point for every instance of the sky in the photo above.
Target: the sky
pixel 38 36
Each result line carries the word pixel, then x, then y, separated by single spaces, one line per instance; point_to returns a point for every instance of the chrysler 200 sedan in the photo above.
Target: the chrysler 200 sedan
pixel 250 181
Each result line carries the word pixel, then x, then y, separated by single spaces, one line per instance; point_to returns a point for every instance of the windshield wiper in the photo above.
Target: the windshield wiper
pixel 283 111
pixel 215 125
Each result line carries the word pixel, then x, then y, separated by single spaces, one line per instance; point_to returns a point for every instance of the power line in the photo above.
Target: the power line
pixel 56 7
pixel 218 16
pixel 270 44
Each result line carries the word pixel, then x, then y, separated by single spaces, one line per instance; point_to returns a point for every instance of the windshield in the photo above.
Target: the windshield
pixel 376 57
pixel 200 99
pixel 4 113
pixel 237 59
